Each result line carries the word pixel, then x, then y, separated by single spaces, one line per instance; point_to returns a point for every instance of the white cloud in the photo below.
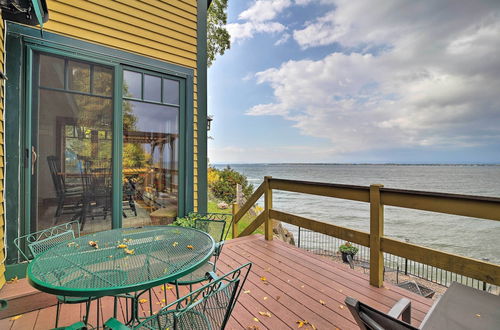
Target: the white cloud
pixel 264 10
pixel 242 31
pixel 258 18
pixel 406 74
pixel 284 38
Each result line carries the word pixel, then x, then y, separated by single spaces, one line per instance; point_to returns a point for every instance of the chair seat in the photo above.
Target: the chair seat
pixel 198 275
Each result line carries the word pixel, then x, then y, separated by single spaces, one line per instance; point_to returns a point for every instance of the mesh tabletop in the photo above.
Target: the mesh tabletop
pixel 120 261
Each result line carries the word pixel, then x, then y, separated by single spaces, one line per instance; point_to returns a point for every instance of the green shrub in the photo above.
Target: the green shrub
pixel 224 188
pixel 188 220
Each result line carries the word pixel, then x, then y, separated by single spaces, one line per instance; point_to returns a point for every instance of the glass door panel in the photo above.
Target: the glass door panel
pixel 150 149
pixel 72 122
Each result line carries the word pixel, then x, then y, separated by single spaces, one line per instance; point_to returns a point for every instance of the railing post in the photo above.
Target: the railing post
pixel 235 223
pixel 268 204
pixel 376 232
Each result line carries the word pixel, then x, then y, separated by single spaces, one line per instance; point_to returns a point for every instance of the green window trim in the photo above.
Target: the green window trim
pixel 21 41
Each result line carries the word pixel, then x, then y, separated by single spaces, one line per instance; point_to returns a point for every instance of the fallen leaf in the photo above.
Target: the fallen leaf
pixel 265 298
pixel 246 291
pixel 110 257
pixel 163 300
pixel 190 247
pixel 263 279
pixel 127 251
pixel 278 297
pixel 312 326
pixel 175 243
pixel 301 323
pixel 93 244
pixel 142 301
pixel 478 315
pixel 253 327
pixel 13 280
pixel 341 306
pixel 13 318
pixel 256 319
pixel 122 246
pixel 265 314
pixel 268 269
pixel 71 244
pixel 322 302
pixel 302 286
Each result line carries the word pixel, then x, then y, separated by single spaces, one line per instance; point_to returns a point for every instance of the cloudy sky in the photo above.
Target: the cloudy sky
pixel 362 81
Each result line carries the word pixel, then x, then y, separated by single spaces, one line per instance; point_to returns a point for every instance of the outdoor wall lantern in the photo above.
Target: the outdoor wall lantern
pixel 209 122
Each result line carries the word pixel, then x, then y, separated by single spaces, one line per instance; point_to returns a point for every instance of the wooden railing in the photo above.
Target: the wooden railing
pixel 378 197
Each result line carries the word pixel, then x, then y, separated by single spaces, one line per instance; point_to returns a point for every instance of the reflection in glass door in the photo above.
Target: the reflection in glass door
pixel 150 149
pixel 72 113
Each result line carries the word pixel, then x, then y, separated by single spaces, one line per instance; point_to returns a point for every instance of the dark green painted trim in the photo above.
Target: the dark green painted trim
pixel 189 154
pixel 14 153
pixel 83 47
pixel 202 105
pixel 14 270
pixel 117 163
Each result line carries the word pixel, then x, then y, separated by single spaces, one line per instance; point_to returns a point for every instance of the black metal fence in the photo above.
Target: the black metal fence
pixel 328 246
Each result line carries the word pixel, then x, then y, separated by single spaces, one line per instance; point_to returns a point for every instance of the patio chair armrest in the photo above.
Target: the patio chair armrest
pixel 218 248
pixel 212 276
pixel 114 324
pixel 402 308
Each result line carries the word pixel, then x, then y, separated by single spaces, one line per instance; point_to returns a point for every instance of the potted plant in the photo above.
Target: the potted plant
pixel 347 249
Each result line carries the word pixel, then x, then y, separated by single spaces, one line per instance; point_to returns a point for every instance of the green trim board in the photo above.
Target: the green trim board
pixel 22 41
pixel 202 105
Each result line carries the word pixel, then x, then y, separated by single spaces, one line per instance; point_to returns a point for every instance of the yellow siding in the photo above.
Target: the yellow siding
pixel 2 222
pixel 162 29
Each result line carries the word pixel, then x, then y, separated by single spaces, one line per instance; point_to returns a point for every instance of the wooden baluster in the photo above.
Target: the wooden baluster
pixel 268 204
pixel 376 232
pixel 235 222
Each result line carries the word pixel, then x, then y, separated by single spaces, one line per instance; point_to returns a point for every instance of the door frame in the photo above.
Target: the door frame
pixel 21 42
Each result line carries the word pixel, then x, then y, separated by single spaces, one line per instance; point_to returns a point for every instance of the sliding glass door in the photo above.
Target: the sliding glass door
pixel 71 142
pixel 151 106
pixel 72 149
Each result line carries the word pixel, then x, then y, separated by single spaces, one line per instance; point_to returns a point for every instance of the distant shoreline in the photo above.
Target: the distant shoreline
pixel 363 164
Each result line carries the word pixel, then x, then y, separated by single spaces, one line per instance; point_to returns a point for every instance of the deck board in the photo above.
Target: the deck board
pixel 299 286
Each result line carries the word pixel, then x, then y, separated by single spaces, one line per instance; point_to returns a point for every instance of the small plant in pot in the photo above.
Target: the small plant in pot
pixel 347 249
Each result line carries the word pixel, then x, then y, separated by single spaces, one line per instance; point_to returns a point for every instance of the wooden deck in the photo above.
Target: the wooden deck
pixel 298 286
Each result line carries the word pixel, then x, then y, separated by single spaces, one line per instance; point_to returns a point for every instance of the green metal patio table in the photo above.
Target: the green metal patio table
pixel 120 261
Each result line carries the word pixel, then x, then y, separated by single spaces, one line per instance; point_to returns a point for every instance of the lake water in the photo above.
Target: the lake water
pixel 470 237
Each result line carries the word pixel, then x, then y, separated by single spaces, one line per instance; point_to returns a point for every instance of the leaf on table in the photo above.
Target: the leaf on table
pixel 127 251
pixel 13 280
pixel 142 300
pixel 175 244
pixel 110 257
pixel 122 246
pixel 246 291
pixel 71 244
pixel 190 247
pixel 322 302
pixel 94 244
pixel 265 314
pixel 17 317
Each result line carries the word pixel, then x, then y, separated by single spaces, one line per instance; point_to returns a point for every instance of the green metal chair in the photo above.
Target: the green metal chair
pixel 74 326
pixel 208 307
pixel 38 242
pixel 213 224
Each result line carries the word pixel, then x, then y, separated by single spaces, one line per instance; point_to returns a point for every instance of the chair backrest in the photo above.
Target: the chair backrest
pixel 208 307
pixel 369 318
pixel 43 240
pixel 213 227
pixel 57 178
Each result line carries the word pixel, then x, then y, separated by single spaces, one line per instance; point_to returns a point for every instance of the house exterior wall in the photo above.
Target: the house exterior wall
pixel 165 30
